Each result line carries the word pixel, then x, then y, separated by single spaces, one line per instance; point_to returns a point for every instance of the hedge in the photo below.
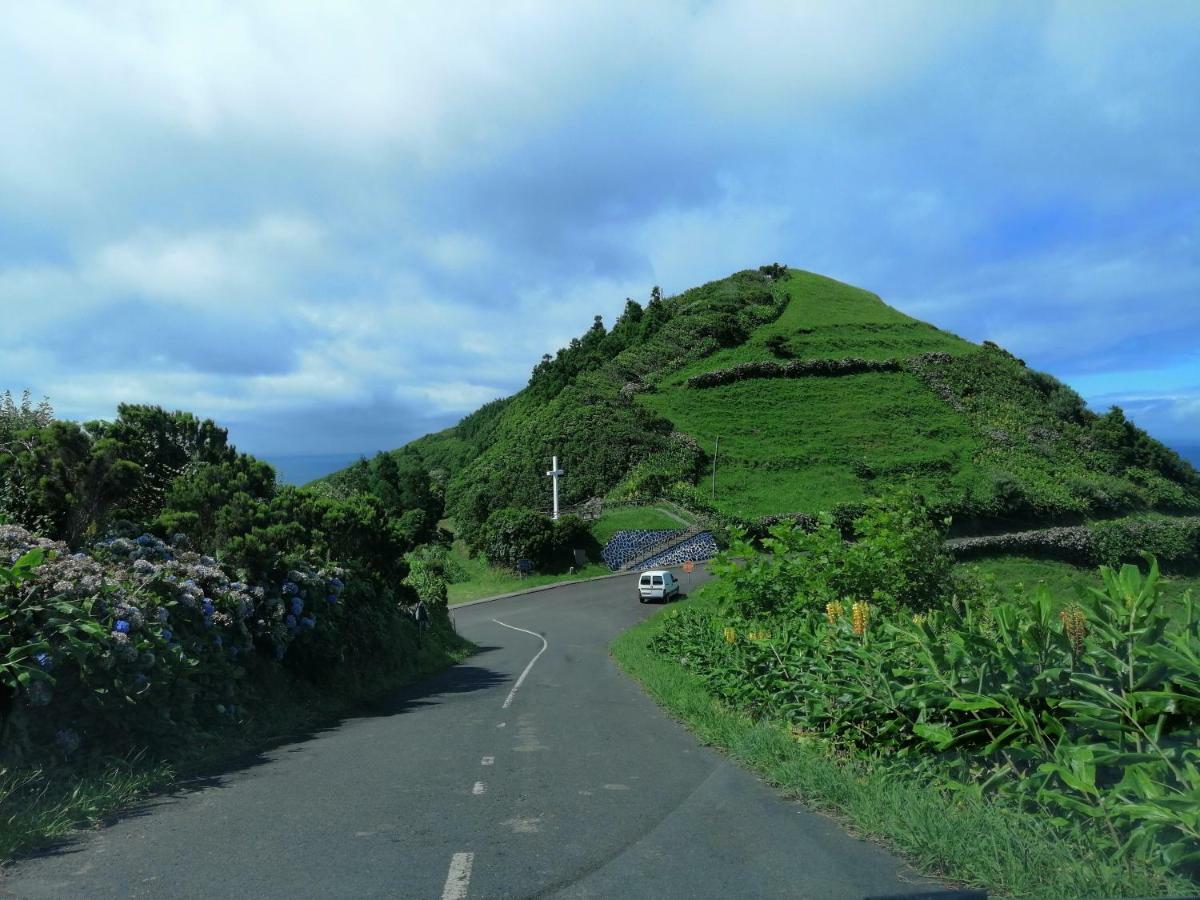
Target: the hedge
pixel 1174 541
pixel 800 368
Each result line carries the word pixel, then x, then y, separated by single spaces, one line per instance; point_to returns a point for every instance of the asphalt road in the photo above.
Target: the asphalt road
pixel 573 784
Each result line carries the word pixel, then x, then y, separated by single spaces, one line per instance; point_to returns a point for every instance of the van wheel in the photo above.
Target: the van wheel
pixel 641 599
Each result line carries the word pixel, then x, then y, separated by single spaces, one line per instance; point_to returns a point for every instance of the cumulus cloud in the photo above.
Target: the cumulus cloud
pixel 336 226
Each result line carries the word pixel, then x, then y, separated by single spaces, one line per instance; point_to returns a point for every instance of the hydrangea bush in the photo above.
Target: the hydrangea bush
pixel 140 639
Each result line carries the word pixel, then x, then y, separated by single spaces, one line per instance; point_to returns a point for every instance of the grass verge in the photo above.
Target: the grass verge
pixel 475 579
pixel 39 806
pixel 942 831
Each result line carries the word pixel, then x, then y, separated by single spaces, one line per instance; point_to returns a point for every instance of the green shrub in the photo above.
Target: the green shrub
pixel 1110 542
pixel 511 534
pixel 896 559
pixel 427 574
pixel 139 643
pixel 1086 709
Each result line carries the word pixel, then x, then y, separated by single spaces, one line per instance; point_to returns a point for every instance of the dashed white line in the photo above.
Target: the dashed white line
pixel 487 761
pixel 479 788
pixel 509 699
pixel 458 879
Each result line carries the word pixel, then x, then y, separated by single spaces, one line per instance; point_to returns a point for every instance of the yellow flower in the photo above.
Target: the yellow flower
pixel 919 619
pixel 730 636
pixel 860 614
pixel 1075 625
pixel 834 611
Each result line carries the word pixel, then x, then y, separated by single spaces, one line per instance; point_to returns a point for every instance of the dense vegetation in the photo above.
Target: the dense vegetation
pixel 1084 707
pixel 157 583
pixel 822 397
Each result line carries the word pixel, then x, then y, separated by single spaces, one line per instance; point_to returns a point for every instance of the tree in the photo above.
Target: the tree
pixel 64 481
pixel 512 534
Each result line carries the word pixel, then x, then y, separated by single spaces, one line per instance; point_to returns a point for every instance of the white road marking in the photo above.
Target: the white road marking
pixel 502 724
pixel 509 699
pixel 479 788
pixel 487 760
pixel 458 879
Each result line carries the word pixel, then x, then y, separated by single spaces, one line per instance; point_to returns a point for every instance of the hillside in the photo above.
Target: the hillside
pixel 821 394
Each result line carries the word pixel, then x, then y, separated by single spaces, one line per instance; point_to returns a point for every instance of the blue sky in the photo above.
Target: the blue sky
pixel 335 227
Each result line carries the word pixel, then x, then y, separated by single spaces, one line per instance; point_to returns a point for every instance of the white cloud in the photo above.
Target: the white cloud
pixel 460 397
pixel 210 267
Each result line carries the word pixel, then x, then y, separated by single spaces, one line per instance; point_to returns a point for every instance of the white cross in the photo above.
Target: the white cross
pixel 555 473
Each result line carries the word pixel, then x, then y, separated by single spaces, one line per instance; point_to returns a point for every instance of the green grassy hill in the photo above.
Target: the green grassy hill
pixel 821 395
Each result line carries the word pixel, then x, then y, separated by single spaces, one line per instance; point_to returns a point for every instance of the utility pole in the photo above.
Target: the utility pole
pixel 716 450
pixel 555 473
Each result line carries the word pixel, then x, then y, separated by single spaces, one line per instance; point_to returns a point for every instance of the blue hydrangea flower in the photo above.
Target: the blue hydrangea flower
pixel 290 621
pixel 44 660
pixel 332 598
pixel 297 606
pixel 122 626
pixel 290 587
pixel 167 634
pixel 308 622
pixel 206 606
pixel 147 540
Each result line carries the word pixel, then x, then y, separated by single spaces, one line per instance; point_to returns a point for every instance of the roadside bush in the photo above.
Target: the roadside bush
pixel 513 534
pixel 570 533
pixel 140 642
pixel 1084 709
pixel 896 559
pixel 427 574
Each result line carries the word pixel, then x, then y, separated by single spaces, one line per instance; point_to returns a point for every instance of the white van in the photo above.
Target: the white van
pixel 657 585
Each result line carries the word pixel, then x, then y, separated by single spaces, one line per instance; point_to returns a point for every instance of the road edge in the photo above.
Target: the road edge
pixel 534 590
pixel 557 584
